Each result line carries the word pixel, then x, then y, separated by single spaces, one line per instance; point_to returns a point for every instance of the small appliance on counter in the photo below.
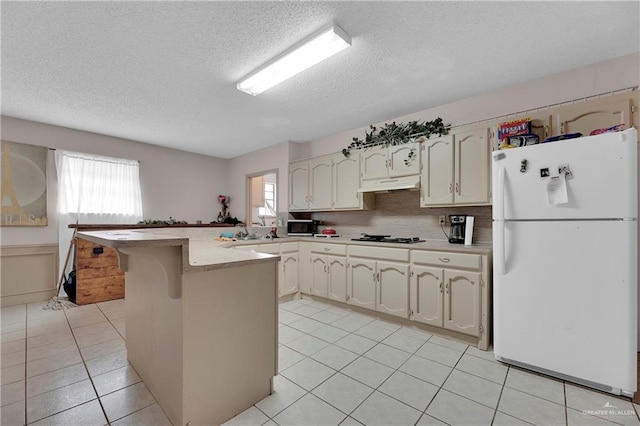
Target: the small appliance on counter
pixel 458 225
pixel 302 227
pixel 327 233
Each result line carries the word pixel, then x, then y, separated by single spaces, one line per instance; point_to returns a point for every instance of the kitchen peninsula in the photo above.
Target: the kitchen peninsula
pixel 201 320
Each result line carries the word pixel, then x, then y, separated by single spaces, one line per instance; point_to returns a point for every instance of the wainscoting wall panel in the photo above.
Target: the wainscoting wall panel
pixel 28 273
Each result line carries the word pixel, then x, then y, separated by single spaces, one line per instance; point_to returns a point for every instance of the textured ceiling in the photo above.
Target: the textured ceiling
pixel 164 73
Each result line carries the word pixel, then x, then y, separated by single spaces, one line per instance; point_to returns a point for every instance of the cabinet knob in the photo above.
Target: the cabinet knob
pixel 457 188
pixel 444 259
pixel 450 188
pixel 440 286
pixel 326 249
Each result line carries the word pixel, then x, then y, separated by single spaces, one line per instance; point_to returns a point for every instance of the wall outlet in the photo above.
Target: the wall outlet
pixel 442 219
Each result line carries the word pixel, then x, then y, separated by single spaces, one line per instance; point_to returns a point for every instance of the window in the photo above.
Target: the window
pixel 269 208
pixel 262 199
pixel 93 189
pixel 97 185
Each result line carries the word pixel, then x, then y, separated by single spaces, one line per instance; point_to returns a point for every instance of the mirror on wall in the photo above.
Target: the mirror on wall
pixel 262 195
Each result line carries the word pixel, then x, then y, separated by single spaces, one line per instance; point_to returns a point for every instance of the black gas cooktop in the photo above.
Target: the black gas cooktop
pixel 388 239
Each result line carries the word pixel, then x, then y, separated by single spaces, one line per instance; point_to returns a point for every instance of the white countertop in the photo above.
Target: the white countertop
pixel 201 251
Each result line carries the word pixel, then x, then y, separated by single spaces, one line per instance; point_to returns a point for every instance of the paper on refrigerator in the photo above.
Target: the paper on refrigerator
pixel 557 190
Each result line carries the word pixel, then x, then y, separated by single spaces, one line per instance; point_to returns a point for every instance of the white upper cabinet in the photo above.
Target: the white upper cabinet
pixel 456 169
pixel 472 173
pixel 404 160
pixel 327 183
pixel 299 186
pixel 374 163
pixel 585 117
pixel 320 188
pixel 436 187
pixel 393 161
pixel 346 181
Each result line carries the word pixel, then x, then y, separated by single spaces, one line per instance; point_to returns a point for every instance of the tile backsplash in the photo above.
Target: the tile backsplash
pixel 398 213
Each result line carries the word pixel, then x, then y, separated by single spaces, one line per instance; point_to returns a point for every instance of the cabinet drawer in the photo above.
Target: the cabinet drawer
pixel 288 247
pixel 271 248
pixel 400 255
pixel 448 259
pixel 329 248
pixel 247 247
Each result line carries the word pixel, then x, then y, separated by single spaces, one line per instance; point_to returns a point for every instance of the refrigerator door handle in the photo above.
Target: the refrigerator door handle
pixel 501 262
pixel 499 201
pixel 499 224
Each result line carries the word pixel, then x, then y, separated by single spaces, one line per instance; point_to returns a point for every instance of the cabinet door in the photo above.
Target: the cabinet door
pixel 299 186
pixel 392 285
pixel 436 186
pixel 289 274
pixel 337 278
pixel 472 167
pixel 319 275
pixel 305 272
pixel 404 160
pixel 361 283
pixel 320 175
pixel 462 301
pixel 374 163
pixel 426 295
pixel 588 116
pixel 346 181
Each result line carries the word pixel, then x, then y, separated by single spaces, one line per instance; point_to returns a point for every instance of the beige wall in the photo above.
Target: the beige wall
pixel 595 79
pixel 616 74
pixel 174 183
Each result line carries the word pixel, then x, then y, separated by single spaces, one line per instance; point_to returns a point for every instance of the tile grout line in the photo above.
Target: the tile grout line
pixel 377 389
pixel 26 335
pixel 104 413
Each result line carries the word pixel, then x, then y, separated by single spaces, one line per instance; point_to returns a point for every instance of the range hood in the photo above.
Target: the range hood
pixel 390 184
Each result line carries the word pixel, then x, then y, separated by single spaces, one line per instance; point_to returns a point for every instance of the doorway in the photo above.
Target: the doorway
pixel 262 199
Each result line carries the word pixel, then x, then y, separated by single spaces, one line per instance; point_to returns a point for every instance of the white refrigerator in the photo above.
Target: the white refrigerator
pixel 565 248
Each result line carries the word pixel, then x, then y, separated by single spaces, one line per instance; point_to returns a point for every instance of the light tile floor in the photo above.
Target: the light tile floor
pixel 336 367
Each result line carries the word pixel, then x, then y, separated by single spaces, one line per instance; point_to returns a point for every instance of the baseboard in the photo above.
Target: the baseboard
pixel 29 273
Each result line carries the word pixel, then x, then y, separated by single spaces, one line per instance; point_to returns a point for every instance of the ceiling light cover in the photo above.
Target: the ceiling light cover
pixel 309 52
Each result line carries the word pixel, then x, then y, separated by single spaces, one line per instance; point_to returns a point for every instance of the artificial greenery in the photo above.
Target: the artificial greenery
pixel 397 134
pixel 171 221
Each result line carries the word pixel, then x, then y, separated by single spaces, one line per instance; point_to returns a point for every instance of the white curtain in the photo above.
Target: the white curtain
pixel 94 189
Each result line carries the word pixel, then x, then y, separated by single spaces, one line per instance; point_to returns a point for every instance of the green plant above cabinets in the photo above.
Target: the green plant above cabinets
pixel 398 133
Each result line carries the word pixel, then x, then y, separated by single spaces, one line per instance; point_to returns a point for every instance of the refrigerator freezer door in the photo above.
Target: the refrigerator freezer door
pixel 603 183
pixel 566 299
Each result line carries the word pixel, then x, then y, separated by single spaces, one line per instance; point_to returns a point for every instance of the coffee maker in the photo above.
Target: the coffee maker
pixel 458 224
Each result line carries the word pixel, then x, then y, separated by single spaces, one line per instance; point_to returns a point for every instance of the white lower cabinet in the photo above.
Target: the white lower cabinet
pixel 328 271
pixel 392 291
pixel 289 271
pixel 378 279
pixel 361 283
pixel 427 289
pixel 288 266
pixel 447 297
pixel 448 290
pixel 462 301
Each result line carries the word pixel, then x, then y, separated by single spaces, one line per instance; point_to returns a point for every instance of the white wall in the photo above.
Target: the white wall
pixel 591 80
pixel 273 158
pixel 174 183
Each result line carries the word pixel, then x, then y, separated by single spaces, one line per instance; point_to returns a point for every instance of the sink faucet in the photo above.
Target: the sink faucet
pixel 242 234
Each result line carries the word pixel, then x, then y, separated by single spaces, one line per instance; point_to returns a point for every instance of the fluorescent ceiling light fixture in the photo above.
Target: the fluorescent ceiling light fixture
pixel 309 52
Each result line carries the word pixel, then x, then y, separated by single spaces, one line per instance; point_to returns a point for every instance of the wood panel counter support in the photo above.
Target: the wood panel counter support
pixel 202 334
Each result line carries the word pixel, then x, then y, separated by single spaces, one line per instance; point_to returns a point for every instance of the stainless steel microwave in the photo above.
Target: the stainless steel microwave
pixel 302 227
